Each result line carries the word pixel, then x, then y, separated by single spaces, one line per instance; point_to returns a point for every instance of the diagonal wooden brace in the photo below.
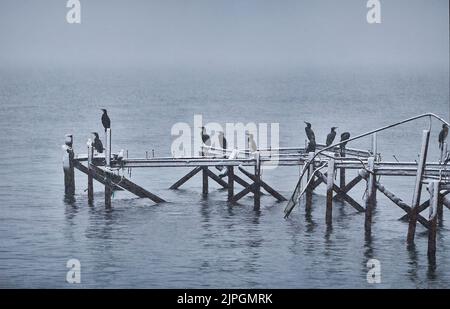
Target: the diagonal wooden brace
pixel 186 178
pixel 243 193
pixel 266 187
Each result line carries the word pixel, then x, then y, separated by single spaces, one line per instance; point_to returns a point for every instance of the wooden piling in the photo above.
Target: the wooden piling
pixel 69 172
pixel 370 194
pixel 342 169
pixel 418 186
pixel 90 172
pixel 108 148
pixel 434 202
pixel 205 180
pixel 108 184
pixel 257 183
pixel 330 183
pixel 374 146
pixel 309 190
pixel 230 175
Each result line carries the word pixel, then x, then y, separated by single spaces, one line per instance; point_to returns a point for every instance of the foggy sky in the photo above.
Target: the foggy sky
pixel 224 33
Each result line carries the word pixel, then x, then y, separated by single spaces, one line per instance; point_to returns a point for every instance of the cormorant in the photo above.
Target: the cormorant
pixel 331 136
pixel 311 146
pixel 251 143
pixel 205 139
pixel 105 120
pixel 222 142
pixel 344 136
pixel 443 135
pixel 98 146
pixel 309 132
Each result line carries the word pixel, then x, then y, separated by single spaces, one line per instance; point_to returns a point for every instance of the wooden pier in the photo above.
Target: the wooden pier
pixel 320 167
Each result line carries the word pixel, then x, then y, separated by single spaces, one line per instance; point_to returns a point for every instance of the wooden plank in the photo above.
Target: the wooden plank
pixel 128 185
pixel 216 178
pixel 265 186
pixel 243 193
pixel 185 178
pixel 418 186
pixel 345 196
pixel 349 186
pixel 101 179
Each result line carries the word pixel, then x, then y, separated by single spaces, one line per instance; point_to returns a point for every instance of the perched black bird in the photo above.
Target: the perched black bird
pixel 105 120
pixel 309 132
pixel 344 136
pixel 311 146
pixel 222 142
pixel 98 145
pixel 205 139
pixel 443 135
pixel 331 136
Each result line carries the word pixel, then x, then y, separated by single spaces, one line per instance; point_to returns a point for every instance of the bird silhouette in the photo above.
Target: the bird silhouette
pixel 443 135
pixel 98 145
pixel 331 136
pixel 105 120
pixel 344 136
pixel 222 142
pixel 309 132
pixel 205 139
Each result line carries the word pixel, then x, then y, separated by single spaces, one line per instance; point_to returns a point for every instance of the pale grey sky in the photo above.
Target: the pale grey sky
pixel 224 32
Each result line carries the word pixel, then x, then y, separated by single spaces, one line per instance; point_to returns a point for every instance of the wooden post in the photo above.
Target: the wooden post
pixel 108 185
pixel 230 182
pixel 330 183
pixel 108 148
pixel 434 201
pixel 309 190
pixel 69 172
pixel 443 153
pixel 342 169
pixel 370 199
pixel 374 146
pixel 205 180
pixel 90 172
pixel 257 193
pixel 418 186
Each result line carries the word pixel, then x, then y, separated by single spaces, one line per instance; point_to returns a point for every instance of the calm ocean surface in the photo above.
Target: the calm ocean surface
pixel 192 241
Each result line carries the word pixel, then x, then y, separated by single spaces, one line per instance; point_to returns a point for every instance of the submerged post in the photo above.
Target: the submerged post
pixel 330 183
pixel 257 194
pixel 69 172
pixel 90 172
pixel 205 180
pixel 370 195
pixel 230 182
pixel 434 202
pixel 310 181
pixel 418 186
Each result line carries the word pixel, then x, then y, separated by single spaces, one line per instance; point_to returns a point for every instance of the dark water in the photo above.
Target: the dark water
pixel 191 241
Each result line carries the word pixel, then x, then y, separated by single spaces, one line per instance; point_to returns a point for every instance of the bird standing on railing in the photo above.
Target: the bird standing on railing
pixel 311 137
pixel 222 142
pixel 331 136
pixel 98 145
pixel 443 135
pixel 205 139
pixel 344 136
pixel 105 120
pixel 251 143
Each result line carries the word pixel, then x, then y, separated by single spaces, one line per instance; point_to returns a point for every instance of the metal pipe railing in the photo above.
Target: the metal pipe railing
pixel 295 195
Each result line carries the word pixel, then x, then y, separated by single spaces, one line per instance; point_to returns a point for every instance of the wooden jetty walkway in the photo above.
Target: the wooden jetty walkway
pixel 317 168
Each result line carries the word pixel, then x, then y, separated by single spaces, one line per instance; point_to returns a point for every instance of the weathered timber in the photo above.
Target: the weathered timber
pixel 186 178
pixel 330 183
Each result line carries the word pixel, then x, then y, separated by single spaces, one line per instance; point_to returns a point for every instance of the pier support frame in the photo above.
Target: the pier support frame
pixel 257 183
pixel 370 195
pixel 230 174
pixel 309 188
pixel 434 205
pixel 205 180
pixel 90 172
